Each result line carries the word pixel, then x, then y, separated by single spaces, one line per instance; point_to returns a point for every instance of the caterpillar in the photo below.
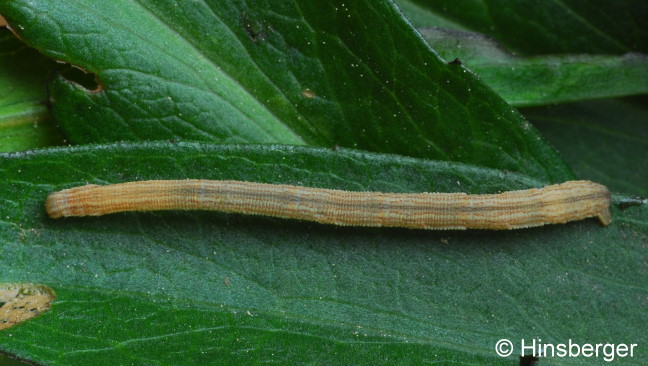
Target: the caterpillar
pixel 559 203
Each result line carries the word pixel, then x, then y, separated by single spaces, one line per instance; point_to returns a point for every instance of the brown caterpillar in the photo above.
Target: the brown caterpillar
pixel 560 203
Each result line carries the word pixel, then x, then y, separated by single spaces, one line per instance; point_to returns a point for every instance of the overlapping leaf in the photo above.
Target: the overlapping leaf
pixel 325 73
pixel 542 80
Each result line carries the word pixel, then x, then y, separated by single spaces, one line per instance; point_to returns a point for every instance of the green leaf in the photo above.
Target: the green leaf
pixel 319 73
pixel 546 27
pixel 542 80
pixel 24 120
pixel 605 141
pixel 214 288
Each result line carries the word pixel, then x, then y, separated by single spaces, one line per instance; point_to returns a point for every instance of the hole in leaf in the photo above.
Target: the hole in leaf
pixel 22 301
pixel 87 80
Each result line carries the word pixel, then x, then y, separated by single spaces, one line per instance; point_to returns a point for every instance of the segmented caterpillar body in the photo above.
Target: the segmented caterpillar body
pixel 560 203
